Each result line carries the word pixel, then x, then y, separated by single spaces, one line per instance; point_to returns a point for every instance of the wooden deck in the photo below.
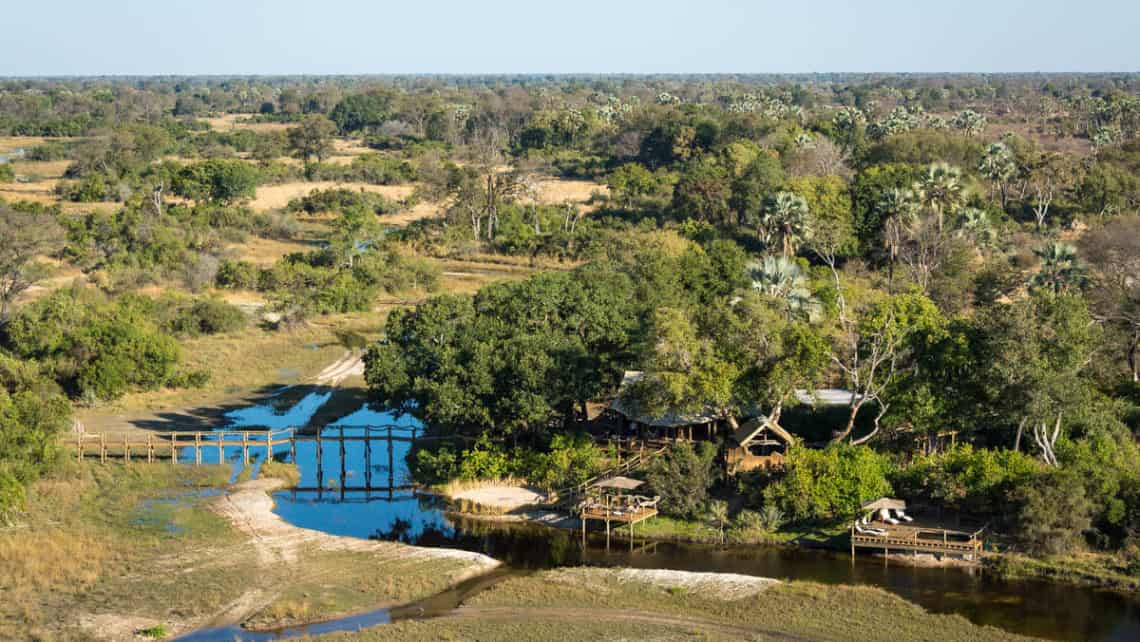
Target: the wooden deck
pixel 902 537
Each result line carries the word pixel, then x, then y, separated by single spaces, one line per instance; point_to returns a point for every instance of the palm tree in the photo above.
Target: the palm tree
pixel 974 223
pixel 781 278
pixel 997 165
pixel 1060 269
pixel 898 209
pixel 940 190
pixel 785 215
pixel 718 515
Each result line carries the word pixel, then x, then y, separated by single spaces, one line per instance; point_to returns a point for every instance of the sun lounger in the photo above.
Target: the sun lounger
pixel 899 514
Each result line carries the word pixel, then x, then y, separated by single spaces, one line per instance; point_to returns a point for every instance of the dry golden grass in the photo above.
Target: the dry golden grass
pixel 39 170
pixel 231 122
pixel 561 190
pixel 11 143
pixel 418 212
pixel 262 251
pixel 277 196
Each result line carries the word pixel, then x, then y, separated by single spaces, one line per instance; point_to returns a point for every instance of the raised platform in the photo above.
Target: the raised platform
pixel 900 537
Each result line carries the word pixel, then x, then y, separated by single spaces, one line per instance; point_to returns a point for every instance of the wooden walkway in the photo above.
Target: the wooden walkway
pixel 639 455
pixel 162 446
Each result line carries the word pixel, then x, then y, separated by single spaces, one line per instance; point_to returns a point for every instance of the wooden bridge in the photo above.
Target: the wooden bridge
pixel 160 446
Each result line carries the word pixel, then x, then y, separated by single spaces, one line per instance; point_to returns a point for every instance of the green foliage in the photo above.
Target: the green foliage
pixel 683 476
pixel 361 111
pixel 196 317
pixel 93 347
pixel 7 174
pixel 703 191
pixel 510 358
pixel 33 413
pixel 978 481
pixel 1054 513
pixel 224 181
pixel 337 199
pixel 829 484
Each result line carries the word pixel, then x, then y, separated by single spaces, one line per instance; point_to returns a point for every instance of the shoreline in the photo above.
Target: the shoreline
pixel 248 507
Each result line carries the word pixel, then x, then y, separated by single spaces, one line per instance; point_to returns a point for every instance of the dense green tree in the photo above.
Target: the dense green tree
pixel 830 483
pixel 312 138
pixel 361 111
pixel 682 478
pixel 703 192
pixel 224 181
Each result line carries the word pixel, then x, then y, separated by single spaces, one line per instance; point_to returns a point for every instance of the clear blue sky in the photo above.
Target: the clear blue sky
pixel 74 37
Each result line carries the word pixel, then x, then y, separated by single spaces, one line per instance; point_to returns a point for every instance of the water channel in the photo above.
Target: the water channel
pixel 372 499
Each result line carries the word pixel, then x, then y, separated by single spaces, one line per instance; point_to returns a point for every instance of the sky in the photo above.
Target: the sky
pixel 223 37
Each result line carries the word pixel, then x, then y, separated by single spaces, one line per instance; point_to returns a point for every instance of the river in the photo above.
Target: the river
pixel 391 511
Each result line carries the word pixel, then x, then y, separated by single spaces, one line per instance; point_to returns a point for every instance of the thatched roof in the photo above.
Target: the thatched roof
pixel 668 420
pixel 884 502
pixel 753 427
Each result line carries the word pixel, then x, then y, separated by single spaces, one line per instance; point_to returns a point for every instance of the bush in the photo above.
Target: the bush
pixel 1054 513
pixel 978 481
pixel 337 199
pixel 238 275
pixel 682 477
pixel 830 483
pixel 7 175
pixel 95 347
pixel 201 316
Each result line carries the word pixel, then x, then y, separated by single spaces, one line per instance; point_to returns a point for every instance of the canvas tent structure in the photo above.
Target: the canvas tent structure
pixel 758 444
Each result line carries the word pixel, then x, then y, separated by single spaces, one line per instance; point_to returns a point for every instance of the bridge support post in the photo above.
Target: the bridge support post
pixel 367 459
pixel 198 449
pixel 293 448
pixel 391 464
pixel 343 472
pixel 245 448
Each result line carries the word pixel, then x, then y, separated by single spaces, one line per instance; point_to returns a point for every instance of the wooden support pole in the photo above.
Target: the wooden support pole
pixel 852 544
pixel 126 449
pixel 343 473
pixel 367 460
pixel 320 465
pixel 79 447
pixel 198 449
pixel 221 449
pixel 173 448
pixel 391 464
pixel 149 448
pixel 102 448
pixel 293 448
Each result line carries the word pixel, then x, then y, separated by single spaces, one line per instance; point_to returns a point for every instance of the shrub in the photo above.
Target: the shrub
pixel 682 478
pixel 201 316
pixel 94 346
pixel 7 175
pixel 1054 513
pixel 978 481
pixel 830 483
pixel 238 275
